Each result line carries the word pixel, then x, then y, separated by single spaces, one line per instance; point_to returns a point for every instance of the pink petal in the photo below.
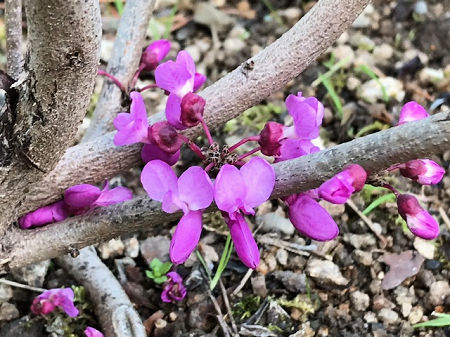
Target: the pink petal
pixel 195 188
pixel 184 59
pixel 174 77
pixel 259 178
pixel 171 203
pixel 122 120
pixel 160 47
pixel 186 237
pixel 311 219
pixel 91 332
pixel 81 196
pixel 412 111
pixel 307 114
pixel 338 189
pixel 151 152
pixel 114 196
pixel 137 107
pixel 270 138
pixel 173 111
pixel 199 80
pixel 294 148
pixel 423 225
pixel 229 189
pixel 158 178
pixel 246 247
pixel 44 215
pixel 64 300
pixel 424 171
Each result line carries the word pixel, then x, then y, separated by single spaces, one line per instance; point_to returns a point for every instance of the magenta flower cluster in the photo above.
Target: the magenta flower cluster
pixel 173 289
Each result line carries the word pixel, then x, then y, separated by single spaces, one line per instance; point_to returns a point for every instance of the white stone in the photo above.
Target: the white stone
pixel 424 247
pixel 371 90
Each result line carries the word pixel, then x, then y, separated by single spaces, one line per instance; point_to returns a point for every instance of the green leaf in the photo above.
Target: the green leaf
pixel 223 262
pixel 379 201
pixel 160 280
pixel 442 320
pixel 155 264
pixel 333 95
pixel 149 274
pixel 369 72
pixel 119 6
pixel 165 267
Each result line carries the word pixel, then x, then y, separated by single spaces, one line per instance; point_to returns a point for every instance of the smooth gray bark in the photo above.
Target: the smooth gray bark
pixel 13 17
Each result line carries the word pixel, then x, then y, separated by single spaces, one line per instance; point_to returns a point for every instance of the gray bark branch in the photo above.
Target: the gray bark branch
pixel 117 316
pixel 13 16
pixel 276 65
pixel 55 88
pixel 374 152
pixel 123 64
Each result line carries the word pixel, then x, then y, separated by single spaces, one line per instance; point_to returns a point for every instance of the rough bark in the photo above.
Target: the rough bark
pixel 13 16
pixel 247 85
pixel 374 152
pixel 123 65
pixel 116 314
pixel 55 88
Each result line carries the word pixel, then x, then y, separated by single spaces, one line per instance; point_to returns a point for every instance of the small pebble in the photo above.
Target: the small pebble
pixel 282 256
pixel 388 316
pixel 360 300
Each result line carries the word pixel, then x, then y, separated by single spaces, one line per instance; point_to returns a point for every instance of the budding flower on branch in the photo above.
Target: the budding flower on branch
pixel 412 111
pixel 154 54
pixel 424 171
pixel 419 221
pixel 165 136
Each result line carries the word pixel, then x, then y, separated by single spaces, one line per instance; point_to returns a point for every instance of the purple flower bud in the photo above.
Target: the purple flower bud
pixel 419 221
pixel 91 332
pixel 338 189
pixel 165 136
pixel 45 215
pixel 192 107
pixel 173 289
pixel 270 138
pixel 46 302
pixel 424 171
pixel 412 111
pixel 154 53
pixel 311 219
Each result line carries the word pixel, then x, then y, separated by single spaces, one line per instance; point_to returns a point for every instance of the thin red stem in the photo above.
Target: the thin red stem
pixel 194 147
pixel 149 86
pixel 136 75
pixel 249 153
pixel 243 141
pixel 112 78
pixel 205 128
pixel 392 189
pixel 209 167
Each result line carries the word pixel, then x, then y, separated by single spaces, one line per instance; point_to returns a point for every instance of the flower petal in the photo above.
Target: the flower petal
pixel 114 196
pixel 338 189
pixel 157 179
pixel 186 237
pixel 311 219
pixel 195 188
pixel 259 178
pixel 199 80
pixel 229 189
pixel 91 332
pixel 80 196
pixel 160 47
pixel 122 120
pixel 294 148
pixel 64 299
pixel 184 59
pixel 173 77
pixel 151 152
pixel 423 225
pixel 412 111
pixel 246 247
pixel 307 114
pixel 44 215
pixel 173 111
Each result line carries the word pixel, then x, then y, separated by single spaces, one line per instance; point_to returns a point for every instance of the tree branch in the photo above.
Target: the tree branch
pixel 116 314
pixel 13 15
pixel 64 40
pixel 123 64
pixel 272 68
pixel 374 152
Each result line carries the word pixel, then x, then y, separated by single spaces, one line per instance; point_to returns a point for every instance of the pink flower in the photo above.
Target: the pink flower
pixel 173 288
pixel 91 332
pixel 154 54
pixel 44 215
pixel 83 197
pixel 339 188
pixel 151 152
pixel 307 114
pixel 191 192
pixel 311 219
pixel 412 111
pixel 179 78
pixel 424 171
pixel 240 190
pixel 46 302
pixel 132 127
pixel 419 221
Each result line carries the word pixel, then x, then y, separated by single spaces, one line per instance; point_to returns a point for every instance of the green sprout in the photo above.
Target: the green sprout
pixel 369 72
pixel 441 320
pixel 119 6
pixel 158 271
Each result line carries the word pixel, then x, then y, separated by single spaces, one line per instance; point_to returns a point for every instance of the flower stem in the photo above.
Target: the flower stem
pixel 209 167
pixel 136 75
pixel 249 153
pixel 194 147
pixel 243 141
pixel 112 78
pixel 205 128
pixel 391 188
pixel 150 86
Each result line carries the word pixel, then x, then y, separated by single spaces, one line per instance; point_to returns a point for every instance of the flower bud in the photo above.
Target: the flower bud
pixel 269 138
pixel 419 221
pixel 424 171
pixel 165 136
pixel 192 107
pixel 153 54
pixel 412 111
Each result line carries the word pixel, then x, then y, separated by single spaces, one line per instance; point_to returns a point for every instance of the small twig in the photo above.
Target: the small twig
pixel 220 319
pixel 20 285
pixel 227 305
pixel 243 282
pixel 367 221
pixel 13 14
pixel 444 217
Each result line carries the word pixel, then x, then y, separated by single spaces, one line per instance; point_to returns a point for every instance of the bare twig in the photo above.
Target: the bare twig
pixel 227 98
pixel 123 64
pixel 243 282
pixel 13 15
pixel 113 307
pixel 227 305
pixel 20 285
pixel 444 217
pixel 219 316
